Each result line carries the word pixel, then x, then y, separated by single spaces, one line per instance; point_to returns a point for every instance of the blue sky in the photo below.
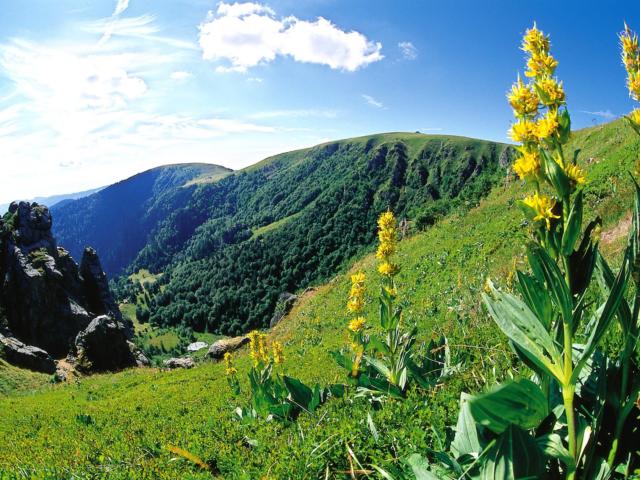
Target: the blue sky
pixel 94 91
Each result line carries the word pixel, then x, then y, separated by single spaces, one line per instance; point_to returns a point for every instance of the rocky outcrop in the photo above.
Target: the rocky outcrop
pixel 47 299
pixel 103 346
pixel 196 346
pixel 186 362
pixel 26 356
pixel 219 348
pixel 284 305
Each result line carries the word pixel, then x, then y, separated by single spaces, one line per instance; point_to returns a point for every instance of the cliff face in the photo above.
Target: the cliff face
pixel 46 298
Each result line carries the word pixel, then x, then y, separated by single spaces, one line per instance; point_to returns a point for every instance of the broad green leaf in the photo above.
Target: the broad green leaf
pixel 369 384
pixel 378 365
pixel 574 225
pixel 420 467
pixel 514 456
pixel 519 403
pixel 301 395
pixel 556 175
pixel 536 298
pixel 519 323
pixel 603 317
pixel 551 445
pixel 553 277
pixel 467 439
pixel 606 278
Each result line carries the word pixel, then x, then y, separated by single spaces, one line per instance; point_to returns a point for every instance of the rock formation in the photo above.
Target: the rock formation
pixel 219 348
pixel 284 304
pixel 47 300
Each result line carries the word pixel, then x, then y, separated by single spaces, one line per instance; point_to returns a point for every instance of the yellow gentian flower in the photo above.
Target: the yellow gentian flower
pixel 543 207
pixel 523 99
pixel 527 165
pixel 523 131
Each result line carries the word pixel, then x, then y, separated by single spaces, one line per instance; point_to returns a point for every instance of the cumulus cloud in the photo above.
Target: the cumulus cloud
pixel 250 34
pixel 372 101
pixel 408 50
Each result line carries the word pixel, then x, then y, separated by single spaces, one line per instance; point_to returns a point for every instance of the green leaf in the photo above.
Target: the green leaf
pixel 536 298
pixel 519 403
pixel 556 175
pixel 606 279
pixel 574 225
pixel 522 327
pixel 378 365
pixel 551 445
pixel 564 120
pixel 369 385
pixel 515 455
pixel 603 316
pixel 301 395
pixel 554 279
pixel 420 467
pixel 467 438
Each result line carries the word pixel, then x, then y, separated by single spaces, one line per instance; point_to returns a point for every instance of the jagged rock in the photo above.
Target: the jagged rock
pixel 195 346
pixel 138 354
pixel 284 305
pixel 219 348
pixel 47 299
pixel 103 346
pixel 186 362
pixel 26 356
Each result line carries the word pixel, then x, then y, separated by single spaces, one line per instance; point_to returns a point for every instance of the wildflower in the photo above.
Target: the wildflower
pixel 278 353
pixel 541 65
pixel 392 292
pixel 547 126
pixel 552 93
pixel 633 83
pixel 523 99
pixel 523 131
pixel 575 174
pixel 258 347
pixel 355 303
pixel 387 235
pixel 634 116
pixel 535 41
pixel 228 363
pixel 357 324
pixel 630 50
pixel 543 207
pixel 388 269
pixel 527 165
pixel 596 233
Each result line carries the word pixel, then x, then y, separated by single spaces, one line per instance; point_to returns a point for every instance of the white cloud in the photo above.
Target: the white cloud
pixel 408 50
pixel 255 80
pixel 249 34
pixel 372 101
pixel 121 6
pixel 181 76
pixel 607 114
pixel 295 114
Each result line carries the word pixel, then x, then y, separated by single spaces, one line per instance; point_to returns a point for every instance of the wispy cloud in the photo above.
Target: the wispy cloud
pixel 181 75
pixel 372 101
pixel 121 6
pixel 294 114
pixel 408 50
pixel 607 114
pixel 249 34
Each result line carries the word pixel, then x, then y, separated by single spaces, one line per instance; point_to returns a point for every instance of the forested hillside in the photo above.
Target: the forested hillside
pixel 295 219
pixel 117 220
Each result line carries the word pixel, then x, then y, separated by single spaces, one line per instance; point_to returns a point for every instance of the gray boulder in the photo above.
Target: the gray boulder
pixel 219 348
pixel 186 362
pixel 284 305
pixel 196 346
pixel 103 346
pixel 26 356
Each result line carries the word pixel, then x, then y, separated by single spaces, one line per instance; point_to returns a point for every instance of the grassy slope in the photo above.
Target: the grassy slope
pixel 137 414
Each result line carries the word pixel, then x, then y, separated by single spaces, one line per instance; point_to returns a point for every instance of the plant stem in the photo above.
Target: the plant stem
pixel 568 392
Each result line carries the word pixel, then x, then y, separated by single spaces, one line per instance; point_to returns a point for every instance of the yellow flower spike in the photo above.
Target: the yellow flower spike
pixel 523 100
pixel 228 363
pixel 527 165
pixel 278 353
pixel 575 174
pixel 388 269
pixel 547 126
pixel 257 347
pixel 541 65
pixel 543 207
pixel 630 49
pixel 634 116
pixel 387 235
pixel 633 84
pixel 553 93
pixel 535 41
pixel 523 131
pixel 357 324
pixel 355 302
